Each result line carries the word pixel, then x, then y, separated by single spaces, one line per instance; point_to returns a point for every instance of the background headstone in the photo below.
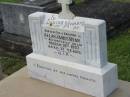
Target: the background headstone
pixel 38 2
pixel 15 18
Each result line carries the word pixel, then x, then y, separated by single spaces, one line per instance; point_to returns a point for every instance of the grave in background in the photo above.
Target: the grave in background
pixel 38 2
pixel 16 36
pixel 71 51
pixel 15 17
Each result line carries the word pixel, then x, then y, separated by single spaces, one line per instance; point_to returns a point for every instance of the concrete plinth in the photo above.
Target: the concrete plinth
pixel 21 85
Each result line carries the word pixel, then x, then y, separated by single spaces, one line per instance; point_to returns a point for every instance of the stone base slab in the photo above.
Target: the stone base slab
pixel 86 79
pixel 20 84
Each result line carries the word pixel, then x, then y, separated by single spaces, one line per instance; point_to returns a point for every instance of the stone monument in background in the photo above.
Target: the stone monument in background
pixel 71 52
pixel 15 18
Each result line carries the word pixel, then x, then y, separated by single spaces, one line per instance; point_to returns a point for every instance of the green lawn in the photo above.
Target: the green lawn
pixel 119 53
pixel 11 62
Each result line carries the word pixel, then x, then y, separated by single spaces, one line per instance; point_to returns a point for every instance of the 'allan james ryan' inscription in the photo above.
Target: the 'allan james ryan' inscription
pixel 64 44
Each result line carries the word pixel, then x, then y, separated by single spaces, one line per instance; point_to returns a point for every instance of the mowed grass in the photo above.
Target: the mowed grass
pixel 119 53
pixel 11 62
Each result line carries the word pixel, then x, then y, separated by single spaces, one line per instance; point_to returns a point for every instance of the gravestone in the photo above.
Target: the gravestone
pixel 15 17
pixel 71 52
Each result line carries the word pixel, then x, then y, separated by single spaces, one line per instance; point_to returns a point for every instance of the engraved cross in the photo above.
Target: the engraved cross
pixel 65 13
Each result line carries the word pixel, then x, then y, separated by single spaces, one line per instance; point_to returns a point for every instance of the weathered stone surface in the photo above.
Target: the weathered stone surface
pixel 15 17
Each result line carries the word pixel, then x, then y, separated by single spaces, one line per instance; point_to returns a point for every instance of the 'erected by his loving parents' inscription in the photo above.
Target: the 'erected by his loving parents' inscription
pixel 62 72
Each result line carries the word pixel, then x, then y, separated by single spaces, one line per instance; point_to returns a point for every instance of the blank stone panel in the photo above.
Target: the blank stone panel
pixel 36 33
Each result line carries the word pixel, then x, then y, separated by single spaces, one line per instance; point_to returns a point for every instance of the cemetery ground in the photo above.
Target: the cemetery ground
pixel 118 52
pixel 10 62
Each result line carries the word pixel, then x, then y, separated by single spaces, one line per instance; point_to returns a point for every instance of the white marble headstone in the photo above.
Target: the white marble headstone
pixel 80 40
pixel 73 50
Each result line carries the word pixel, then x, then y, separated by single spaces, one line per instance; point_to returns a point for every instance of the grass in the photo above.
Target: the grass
pixel 119 53
pixel 11 62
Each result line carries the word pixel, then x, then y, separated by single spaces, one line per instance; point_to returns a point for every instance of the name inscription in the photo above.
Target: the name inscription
pixel 63 42
pixel 74 25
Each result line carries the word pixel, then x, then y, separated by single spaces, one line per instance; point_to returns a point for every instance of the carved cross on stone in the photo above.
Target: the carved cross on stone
pixel 65 13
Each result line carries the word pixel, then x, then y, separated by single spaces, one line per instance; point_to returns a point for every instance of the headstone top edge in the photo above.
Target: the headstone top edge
pixel 77 18
pixel 36 14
